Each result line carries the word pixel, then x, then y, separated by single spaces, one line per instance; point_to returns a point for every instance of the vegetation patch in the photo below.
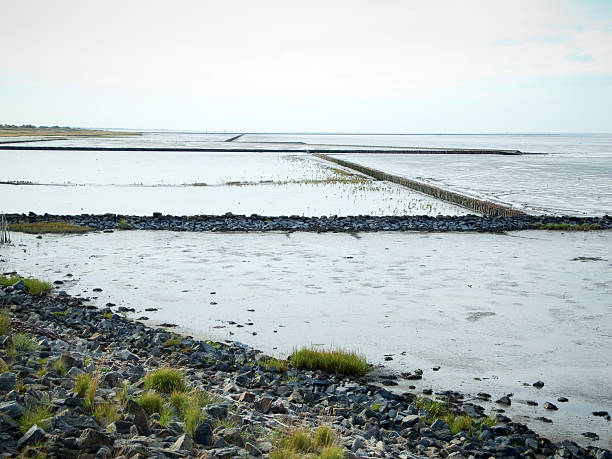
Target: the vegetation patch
pixel 106 413
pixel 151 402
pixel 566 227
pixel 272 364
pixel 34 286
pixel 5 322
pixel 23 343
pixel 38 414
pixel 457 422
pixel 338 361
pixel 49 227
pixel 60 367
pixel 124 225
pixel 302 443
pixel 165 380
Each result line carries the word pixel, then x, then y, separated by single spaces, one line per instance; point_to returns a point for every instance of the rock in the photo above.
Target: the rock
pixel 12 408
pixel 224 453
pixel 120 427
pixel 246 397
pixel 19 285
pixel 550 406
pixel 183 443
pixel 358 443
pixel 563 399
pixel 217 410
pixel 67 421
pixel 252 449
pixel 538 384
pixel 203 434
pixel 104 453
pixel 233 437
pixel 505 400
pixel 34 435
pixel 112 379
pixel 264 404
pixel 591 435
pixel 410 420
pixel 92 440
pixel 600 413
pixel 532 443
pixel 427 391
pixel 8 381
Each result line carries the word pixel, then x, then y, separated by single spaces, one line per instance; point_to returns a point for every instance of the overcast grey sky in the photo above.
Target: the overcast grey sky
pixel 334 65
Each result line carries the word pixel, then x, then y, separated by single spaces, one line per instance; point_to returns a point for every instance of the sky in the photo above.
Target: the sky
pixel 402 66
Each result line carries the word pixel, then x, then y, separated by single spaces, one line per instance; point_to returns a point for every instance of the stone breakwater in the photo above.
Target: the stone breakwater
pixel 248 402
pixel 352 224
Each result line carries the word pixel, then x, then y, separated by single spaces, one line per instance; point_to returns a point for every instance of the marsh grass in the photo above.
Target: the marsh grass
pixel 106 413
pixel 60 367
pixel 339 361
pixel 457 422
pixel 150 401
pixel 301 443
pixel 23 343
pixel 174 341
pixel 81 384
pixel 34 286
pixel 5 322
pixel 270 363
pixel 48 228
pixel 165 380
pixel 124 225
pixel 38 414
pixel 566 227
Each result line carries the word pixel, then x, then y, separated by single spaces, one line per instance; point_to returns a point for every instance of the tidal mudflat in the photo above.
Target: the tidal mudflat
pixel 494 312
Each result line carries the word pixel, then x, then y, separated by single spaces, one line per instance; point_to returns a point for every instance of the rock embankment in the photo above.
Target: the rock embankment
pixel 350 224
pixel 52 342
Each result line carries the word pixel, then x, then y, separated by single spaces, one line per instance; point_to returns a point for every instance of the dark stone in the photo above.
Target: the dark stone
pixel 203 435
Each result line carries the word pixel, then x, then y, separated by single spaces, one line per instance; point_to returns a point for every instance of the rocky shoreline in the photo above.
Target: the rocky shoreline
pixel 351 224
pixel 249 401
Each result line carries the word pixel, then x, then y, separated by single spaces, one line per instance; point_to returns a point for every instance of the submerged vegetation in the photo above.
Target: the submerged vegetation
pixel 34 286
pixel 338 361
pixel 49 227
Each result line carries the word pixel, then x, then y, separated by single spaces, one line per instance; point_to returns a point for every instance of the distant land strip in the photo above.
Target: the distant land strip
pixel 32 140
pixel 487 208
pixel 451 151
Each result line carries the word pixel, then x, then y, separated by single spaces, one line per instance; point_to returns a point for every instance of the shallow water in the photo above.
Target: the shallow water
pixel 538 184
pixel 507 309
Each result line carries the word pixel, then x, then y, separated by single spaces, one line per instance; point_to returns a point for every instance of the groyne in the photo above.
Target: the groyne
pixel 349 224
pixel 486 208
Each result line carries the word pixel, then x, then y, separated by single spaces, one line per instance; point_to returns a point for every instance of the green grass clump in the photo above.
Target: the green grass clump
pixel 179 400
pixel 151 402
pixel 301 443
pixel 174 341
pixel 456 422
pixel 124 225
pixel 106 413
pixel 60 367
pixel 567 227
pixel 279 365
pixel 23 343
pixel 38 415
pixel 165 381
pixel 81 384
pixel 5 322
pixel 34 286
pixel 193 413
pixel 48 227
pixel 335 361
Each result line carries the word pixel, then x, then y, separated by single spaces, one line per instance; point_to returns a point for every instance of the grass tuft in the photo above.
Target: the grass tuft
pixel 456 422
pixel 23 343
pixel 34 286
pixel 335 361
pixel 150 401
pixel 301 443
pixel 175 341
pixel 60 367
pixel 5 322
pixel 165 380
pixel 124 225
pixel 280 366
pixel 38 415
pixel 49 227
pixel 567 227
pixel 81 384
pixel 106 413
